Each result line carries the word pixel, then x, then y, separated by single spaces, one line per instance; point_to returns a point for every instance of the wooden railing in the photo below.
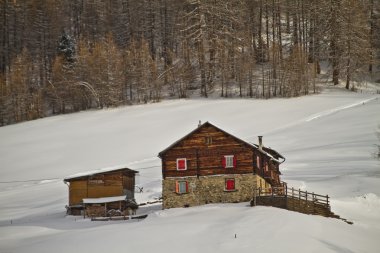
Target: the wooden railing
pixel 284 191
pixel 294 200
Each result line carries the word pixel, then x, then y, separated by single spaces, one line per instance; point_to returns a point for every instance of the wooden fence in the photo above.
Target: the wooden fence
pixel 294 200
pixel 295 194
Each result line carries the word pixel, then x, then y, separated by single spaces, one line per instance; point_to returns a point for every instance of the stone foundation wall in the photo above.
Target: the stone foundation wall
pixel 279 202
pixel 208 189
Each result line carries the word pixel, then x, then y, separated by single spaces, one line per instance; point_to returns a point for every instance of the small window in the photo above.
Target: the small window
pixel 181 164
pixel 258 162
pixel 230 184
pixel 181 187
pixel 208 140
pixel 96 181
pixel 229 161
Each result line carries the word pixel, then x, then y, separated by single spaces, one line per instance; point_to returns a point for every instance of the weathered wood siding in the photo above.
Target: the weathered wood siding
pixel 77 191
pixel 266 168
pixel 204 157
pixel 101 185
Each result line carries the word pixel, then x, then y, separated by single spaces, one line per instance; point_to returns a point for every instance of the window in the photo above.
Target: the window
pixel 230 184
pixel 181 164
pixel 95 181
pixel 181 187
pixel 229 161
pixel 258 162
pixel 208 140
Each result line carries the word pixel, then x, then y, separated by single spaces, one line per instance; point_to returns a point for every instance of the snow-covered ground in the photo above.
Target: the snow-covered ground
pixel 329 141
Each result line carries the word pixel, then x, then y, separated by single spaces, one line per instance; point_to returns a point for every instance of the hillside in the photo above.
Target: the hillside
pixel 58 57
pixel 328 140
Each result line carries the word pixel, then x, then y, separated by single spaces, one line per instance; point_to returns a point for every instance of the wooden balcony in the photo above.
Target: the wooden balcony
pixel 272 177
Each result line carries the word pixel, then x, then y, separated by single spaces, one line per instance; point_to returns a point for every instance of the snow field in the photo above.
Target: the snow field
pixel 328 140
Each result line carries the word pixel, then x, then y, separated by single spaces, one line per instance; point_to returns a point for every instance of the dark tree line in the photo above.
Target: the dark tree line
pixel 70 55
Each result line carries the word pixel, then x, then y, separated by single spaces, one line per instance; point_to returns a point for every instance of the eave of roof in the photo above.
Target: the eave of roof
pixel 271 153
pixel 96 172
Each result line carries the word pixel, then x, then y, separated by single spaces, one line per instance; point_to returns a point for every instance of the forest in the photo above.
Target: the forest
pixel 62 56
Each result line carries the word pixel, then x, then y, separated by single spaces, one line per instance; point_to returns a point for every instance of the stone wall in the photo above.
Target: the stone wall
pixel 275 201
pixel 208 189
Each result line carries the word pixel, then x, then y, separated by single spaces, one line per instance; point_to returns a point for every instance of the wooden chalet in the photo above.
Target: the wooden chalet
pixel 209 165
pixel 102 193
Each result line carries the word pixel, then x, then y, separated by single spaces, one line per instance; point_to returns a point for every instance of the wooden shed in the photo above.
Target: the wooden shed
pixel 102 192
pixel 209 165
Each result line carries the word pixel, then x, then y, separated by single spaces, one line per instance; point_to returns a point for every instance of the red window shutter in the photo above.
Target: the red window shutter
pixel 181 164
pixel 176 187
pixel 234 161
pixel 224 161
pixel 187 186
pixel 230 184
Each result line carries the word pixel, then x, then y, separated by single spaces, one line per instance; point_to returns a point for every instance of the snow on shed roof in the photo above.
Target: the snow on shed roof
pixel 103 200
pixel 99 171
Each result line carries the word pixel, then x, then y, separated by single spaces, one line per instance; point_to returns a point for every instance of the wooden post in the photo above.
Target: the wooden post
pixel 313 196
pixel 105 209
pixel 286 190
pixel 299 198
pixel 307 205
pixel 285 187
pixel 293 198
pixel 254 196
pixel 328 205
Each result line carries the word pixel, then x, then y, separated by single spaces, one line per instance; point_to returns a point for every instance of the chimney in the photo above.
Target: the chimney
pixel 260 142
pixel 199 124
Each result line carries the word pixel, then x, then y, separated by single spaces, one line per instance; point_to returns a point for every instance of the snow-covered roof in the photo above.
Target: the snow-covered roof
pixel 272 154
pixel 103 200
pixel 99 171
pixel 207 123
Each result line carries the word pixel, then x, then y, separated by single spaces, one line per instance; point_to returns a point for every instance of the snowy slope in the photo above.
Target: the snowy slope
pixel 210 228
pixel 328 140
